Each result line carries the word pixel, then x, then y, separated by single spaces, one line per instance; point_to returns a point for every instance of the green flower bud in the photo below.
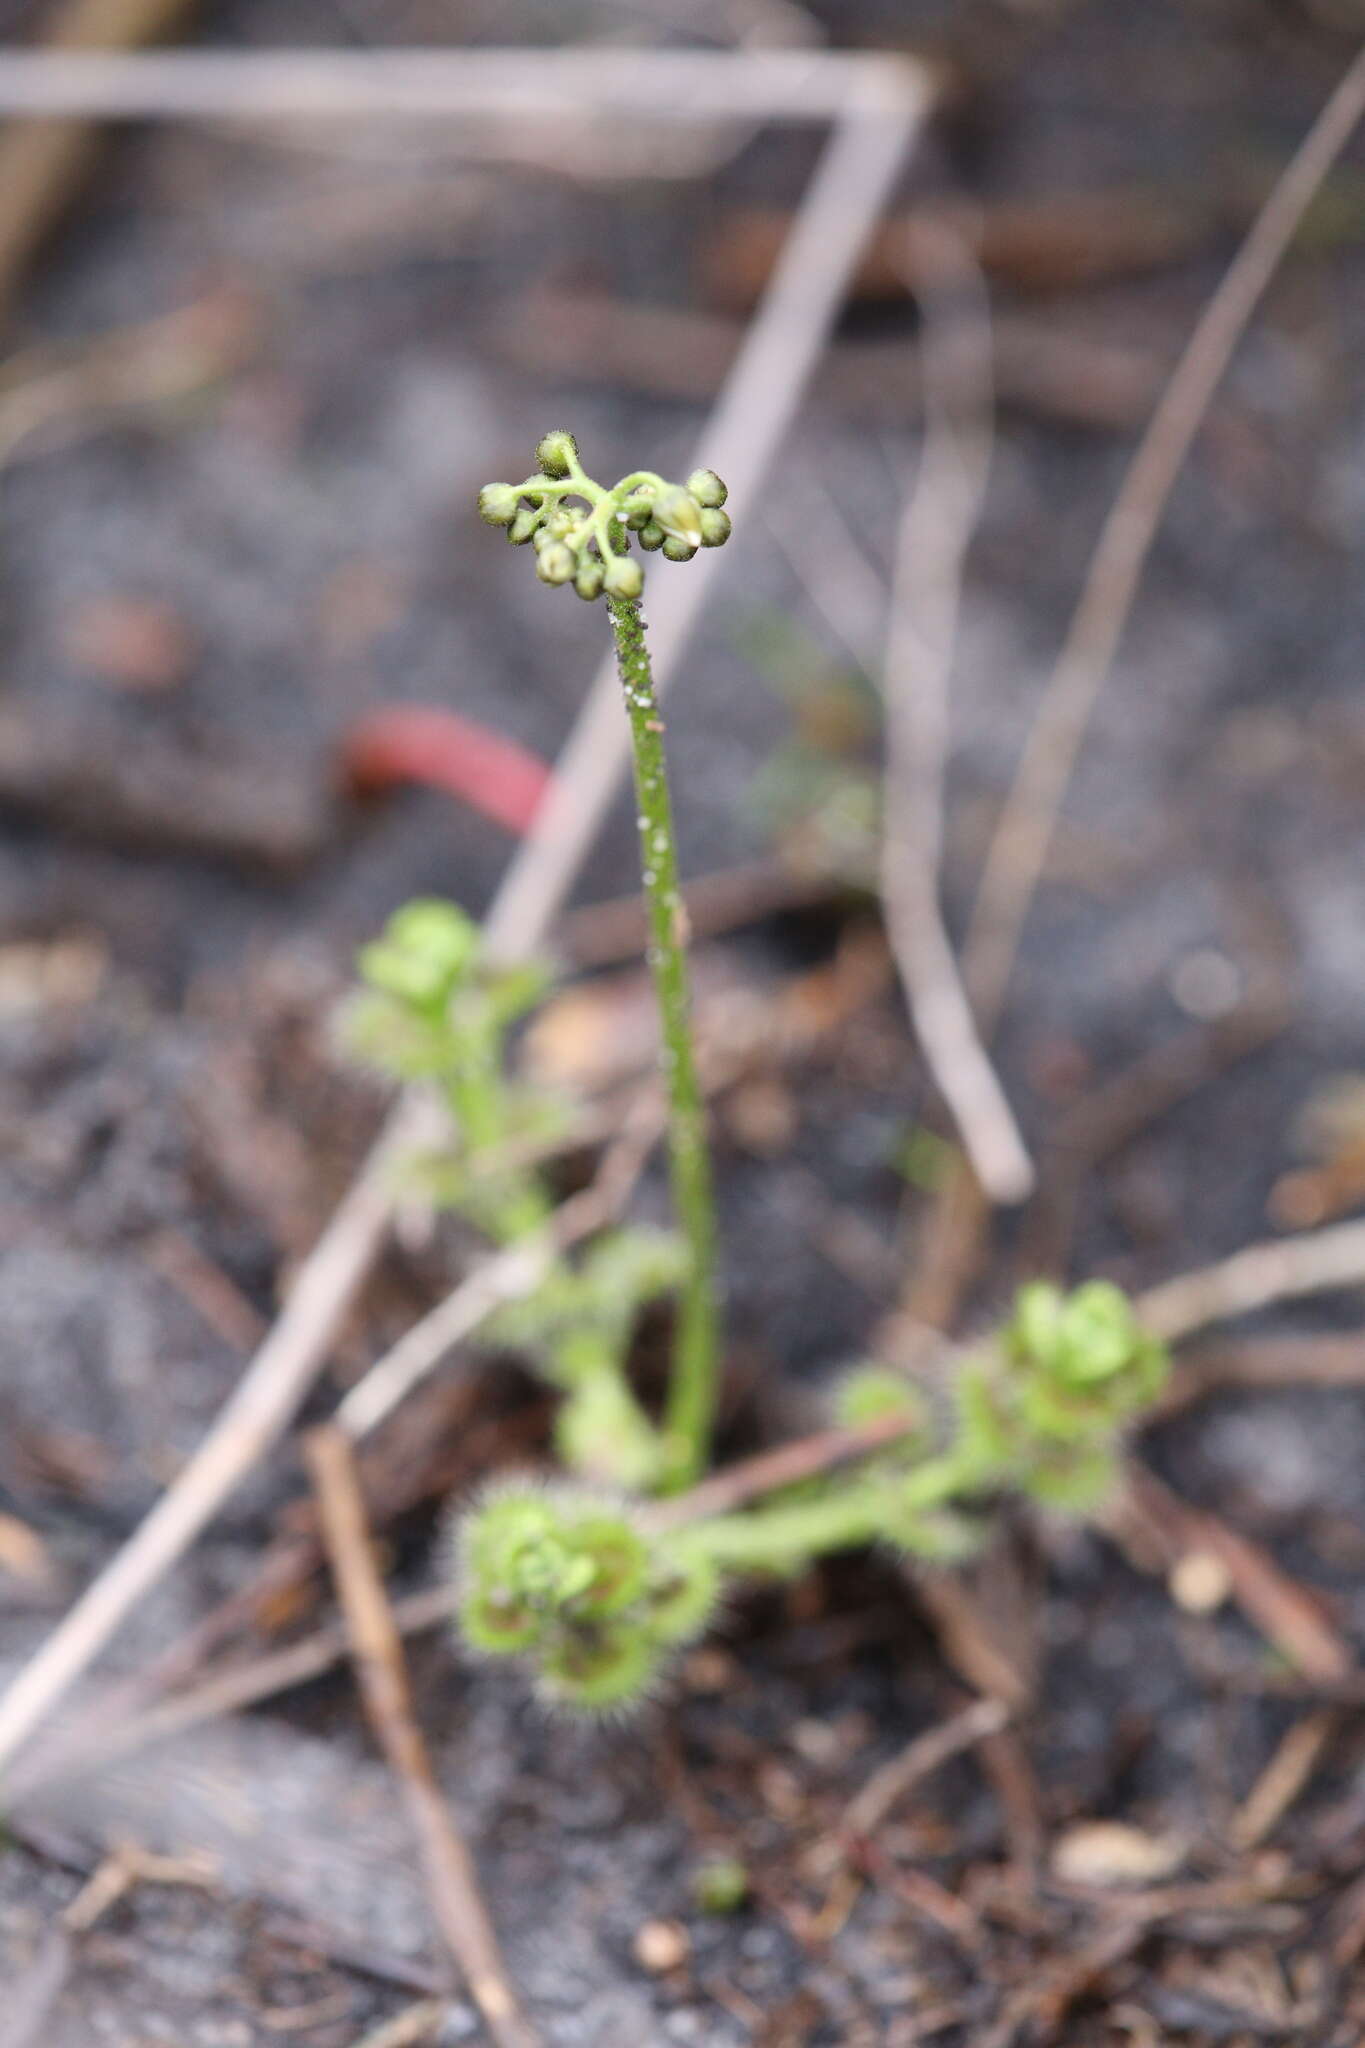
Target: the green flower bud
pixel 651 535
pixel 542 538
pixel 637 509
pixel 555 563
pixel 679 514
pixel 556 452
pixel 590 578
pixel 623 576
pixel 715 528
pixel 707 488
pixel 524 526
pixel 562 523
pixel 498 504
pixel 678 550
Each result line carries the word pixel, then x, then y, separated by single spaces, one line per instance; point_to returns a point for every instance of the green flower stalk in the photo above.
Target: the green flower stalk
pixel 581 535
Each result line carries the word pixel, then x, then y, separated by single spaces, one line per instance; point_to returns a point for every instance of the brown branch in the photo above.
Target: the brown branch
pixel 381 1672
pixel 927 1753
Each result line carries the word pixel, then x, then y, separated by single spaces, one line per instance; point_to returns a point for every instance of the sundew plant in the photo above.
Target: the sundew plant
pixel 593 1580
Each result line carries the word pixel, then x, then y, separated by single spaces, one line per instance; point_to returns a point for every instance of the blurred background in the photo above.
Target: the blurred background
pixel 252 378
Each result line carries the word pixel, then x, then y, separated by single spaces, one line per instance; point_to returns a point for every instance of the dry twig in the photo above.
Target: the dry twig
pixel 935 531
pixel 1282 1269
pixel 1283 1779
pixel 381 1672
pixel 927 1753
pixel 1024 832
pixel 42 162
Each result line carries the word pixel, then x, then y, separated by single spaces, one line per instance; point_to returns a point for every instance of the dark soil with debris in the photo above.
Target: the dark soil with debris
pixel 217 584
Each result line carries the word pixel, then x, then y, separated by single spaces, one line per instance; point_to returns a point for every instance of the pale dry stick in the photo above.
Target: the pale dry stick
pixel 381 1673
pixel 1287 1774
pixel 42 162
pixel 1024 833
pixel 1258 1276
pixel 50 397
pixel 878 112
pixel 836 576
pixel 509 1276
pixel 223 1692
pixel 677 87
pixel 935 532
pixel 925 1754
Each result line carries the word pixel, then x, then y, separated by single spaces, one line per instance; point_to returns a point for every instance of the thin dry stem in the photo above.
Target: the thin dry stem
pixel 381 1672
pixel 1024 832
pixel 935 532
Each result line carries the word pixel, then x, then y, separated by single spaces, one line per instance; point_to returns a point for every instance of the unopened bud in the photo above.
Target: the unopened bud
pixel 679 514
pixel 715 527
pixel 555 563
pixel 707 488
pixel 637 509
pixel 679 550
pixel 651 535
pixel 590 578
pixel 498 504
pixel 556 452
pixel 624 577
pixel 524 526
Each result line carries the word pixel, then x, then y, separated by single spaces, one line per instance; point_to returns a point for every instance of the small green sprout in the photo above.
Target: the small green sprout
pixel 1044 1413
pixel 720 1885
pixel 435 1011
pixel 581 533
pixel 571 1583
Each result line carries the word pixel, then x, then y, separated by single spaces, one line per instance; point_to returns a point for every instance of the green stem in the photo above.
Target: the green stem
pixel 690 1407
pixel 789 1536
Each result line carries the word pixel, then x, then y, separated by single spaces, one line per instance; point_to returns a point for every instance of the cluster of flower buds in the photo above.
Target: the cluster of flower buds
pixel 580 531
pixel 570 1581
